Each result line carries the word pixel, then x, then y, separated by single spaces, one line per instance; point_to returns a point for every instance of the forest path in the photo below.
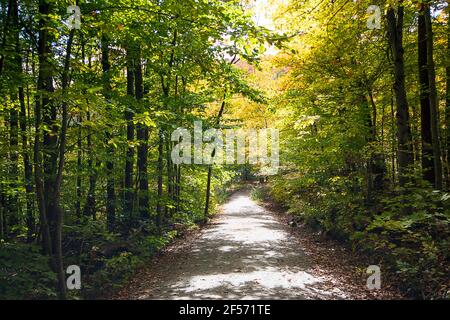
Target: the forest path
pixel 245 253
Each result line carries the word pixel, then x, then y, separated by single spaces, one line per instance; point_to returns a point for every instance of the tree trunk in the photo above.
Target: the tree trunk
pixel 208 181
pixel 13 204
pixel 129 115
pixel 395 32
pixel 79 168
pixel 49 196
pixel 427 143
pixel 165 85
pixel 110 188
pixel 43 89
pixel 376 166
pixel 2 206
pixel 178 187
pixel 4 17
pixel 142 136
pixel 90 206
pixel 170 176
pixel 54 206
pixel 434 108
pixel 13 67
pixel 447 97
pixel 393 140
pixel 28 170
pixel 160 177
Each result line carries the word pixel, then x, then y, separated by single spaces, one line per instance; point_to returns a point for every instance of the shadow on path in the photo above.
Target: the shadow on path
pixel 244 254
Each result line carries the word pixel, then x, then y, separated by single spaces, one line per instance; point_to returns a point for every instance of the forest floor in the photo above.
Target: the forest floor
pixel 249 251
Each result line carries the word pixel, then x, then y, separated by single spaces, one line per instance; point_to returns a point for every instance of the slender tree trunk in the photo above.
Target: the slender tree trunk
pixel 4 17
pixel 169 177
pixel 90 205
pixel 447 98
pixel 79 148
pixel 129 116
pixel 13 204
pixel 160 169
pixel 165 84
pixel 395 31
pixel 12 62
pixel 142 136
pixel 427 143
pixel 208 181
pixel 54 206
pixel 79 167
pixel 393 139
pixel 377 164
pixel 179 167
pixel 28 167
pixel 370 138
pixel 178 188
pixel 110 188
pixel 28 170
pixel 2 206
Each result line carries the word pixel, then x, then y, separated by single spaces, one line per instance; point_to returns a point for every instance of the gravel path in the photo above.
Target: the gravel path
pixel 246 253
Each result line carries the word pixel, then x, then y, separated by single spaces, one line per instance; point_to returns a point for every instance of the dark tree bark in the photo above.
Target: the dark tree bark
pixel 79 150
pixel 89 209
pixel 12 70
pixel 447 98
pixel 434 108
pixel 4 19
pixel 129 115
pixel 28 167
pixel 14 161
pixel 170 176
pixel 208 181
pixel 142 136
pixel 28 170
pixel 48 191
pixel 110 188
pixel 395 32
pixel 54 206
pixel 12 59
pixel 2 210
pixel 179 167
pixel 178 187
pixel 79 167
pixel 376 168
pixel 427 144
pixel 165 85
pixel 43 88
pixel 393 139
pixel 90 206
pixel 160 168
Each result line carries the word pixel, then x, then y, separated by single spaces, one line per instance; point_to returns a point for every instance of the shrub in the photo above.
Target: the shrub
pixel 25 273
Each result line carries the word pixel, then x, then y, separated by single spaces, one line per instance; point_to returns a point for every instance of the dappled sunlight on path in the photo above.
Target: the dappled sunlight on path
pixel 244 254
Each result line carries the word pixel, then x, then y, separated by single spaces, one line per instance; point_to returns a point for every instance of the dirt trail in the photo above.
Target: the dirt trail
pixel 246 253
